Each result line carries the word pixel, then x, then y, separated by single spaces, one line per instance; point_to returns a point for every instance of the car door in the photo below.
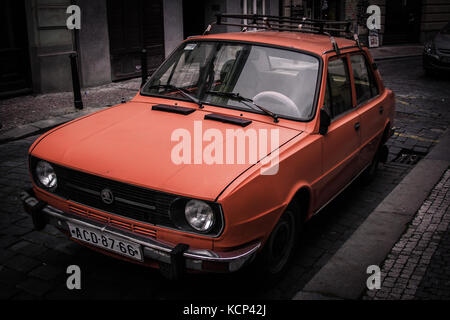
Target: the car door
pixel 341 143
pixel 369 107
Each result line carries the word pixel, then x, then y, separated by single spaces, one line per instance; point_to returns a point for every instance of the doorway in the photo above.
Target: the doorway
pixel 134 25
pixel 193 17
pixel 15 73
pixel 402 21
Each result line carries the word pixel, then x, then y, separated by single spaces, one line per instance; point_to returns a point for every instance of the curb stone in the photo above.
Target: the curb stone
pixel 344 276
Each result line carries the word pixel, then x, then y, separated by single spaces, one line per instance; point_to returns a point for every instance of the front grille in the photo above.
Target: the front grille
pixel 141 204
pixel 101 217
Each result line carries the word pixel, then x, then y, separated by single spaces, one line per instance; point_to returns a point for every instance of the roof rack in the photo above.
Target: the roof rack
pixel 280 23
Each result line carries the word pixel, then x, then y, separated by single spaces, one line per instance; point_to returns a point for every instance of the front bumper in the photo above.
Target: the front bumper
pixel 173 258
pixel 435 62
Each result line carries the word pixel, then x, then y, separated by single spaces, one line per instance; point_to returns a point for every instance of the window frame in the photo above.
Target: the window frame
pixel 350 77
pixel 371 76
pixel 370 67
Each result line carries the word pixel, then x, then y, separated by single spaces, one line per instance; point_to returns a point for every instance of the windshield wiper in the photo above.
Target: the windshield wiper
pixel 178 89
pixel 238 97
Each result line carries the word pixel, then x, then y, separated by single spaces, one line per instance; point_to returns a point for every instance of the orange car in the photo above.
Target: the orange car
pixel 233 143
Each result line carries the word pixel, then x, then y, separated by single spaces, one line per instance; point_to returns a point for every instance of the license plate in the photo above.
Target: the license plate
pixel 106 241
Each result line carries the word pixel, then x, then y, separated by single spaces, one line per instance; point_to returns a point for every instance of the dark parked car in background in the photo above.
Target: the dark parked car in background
pixel 436 55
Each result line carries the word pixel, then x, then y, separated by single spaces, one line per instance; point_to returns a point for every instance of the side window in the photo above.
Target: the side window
pixel 338 93
pixel 365 85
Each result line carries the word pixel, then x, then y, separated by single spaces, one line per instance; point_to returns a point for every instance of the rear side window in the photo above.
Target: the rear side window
pixel 338 95
pixel 364 81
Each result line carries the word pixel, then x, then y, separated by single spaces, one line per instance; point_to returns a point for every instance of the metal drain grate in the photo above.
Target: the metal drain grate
pixel 407 156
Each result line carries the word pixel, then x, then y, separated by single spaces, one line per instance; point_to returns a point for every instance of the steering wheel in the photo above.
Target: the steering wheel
pixel 284 100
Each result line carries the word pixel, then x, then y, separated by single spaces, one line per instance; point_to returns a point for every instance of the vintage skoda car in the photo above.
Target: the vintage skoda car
pixel 171 178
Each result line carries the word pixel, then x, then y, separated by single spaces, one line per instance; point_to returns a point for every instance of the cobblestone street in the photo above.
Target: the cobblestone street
pixel 419 264
pixel 33 264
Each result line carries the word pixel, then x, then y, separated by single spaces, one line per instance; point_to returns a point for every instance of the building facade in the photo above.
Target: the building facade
pixel 402 21
pixel 36 44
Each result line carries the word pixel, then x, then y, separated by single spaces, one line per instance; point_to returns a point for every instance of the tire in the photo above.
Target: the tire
pixel 371 171
pixel 281 244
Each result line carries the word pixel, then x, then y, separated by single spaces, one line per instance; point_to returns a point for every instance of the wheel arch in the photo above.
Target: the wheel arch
pixel 302 198
pixel 386 132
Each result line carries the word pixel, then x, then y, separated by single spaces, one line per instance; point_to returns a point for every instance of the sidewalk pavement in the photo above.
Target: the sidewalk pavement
pixel 345 274
pixel 34 114
pixel 418 266
pixel 398 51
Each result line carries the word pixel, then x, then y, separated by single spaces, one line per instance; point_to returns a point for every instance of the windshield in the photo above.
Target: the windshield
pixel 281 81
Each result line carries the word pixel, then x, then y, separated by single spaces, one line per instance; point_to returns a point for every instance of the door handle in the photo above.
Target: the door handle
pixel 357 125
pixel 381 110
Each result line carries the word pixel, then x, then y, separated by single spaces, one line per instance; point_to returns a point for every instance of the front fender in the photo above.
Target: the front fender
pixel 253 203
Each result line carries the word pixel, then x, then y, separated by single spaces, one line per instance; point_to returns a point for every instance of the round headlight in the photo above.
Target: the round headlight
pixel 46 174
pixel 199 215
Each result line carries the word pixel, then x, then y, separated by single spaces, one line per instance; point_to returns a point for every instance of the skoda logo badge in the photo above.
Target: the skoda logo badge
pixel 107 196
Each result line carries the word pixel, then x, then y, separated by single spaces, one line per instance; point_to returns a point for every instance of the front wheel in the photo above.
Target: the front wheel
pixel 281 243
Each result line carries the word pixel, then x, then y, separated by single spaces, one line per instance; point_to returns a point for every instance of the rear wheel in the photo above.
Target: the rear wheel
pixel 369 174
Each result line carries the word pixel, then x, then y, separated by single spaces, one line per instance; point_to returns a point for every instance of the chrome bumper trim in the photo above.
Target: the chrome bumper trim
pixel 157 249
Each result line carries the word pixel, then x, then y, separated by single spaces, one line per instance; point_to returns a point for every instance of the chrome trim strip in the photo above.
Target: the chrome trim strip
pixel 95 193
pixel 134 203
pixel 118 199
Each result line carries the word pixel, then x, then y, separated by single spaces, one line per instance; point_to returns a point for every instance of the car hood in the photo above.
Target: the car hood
pixel 132 143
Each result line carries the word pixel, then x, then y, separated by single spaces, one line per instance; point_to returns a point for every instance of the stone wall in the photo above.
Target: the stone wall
pixel 93 43
pixel 50 44
pixel 435 15
pixel 173 24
